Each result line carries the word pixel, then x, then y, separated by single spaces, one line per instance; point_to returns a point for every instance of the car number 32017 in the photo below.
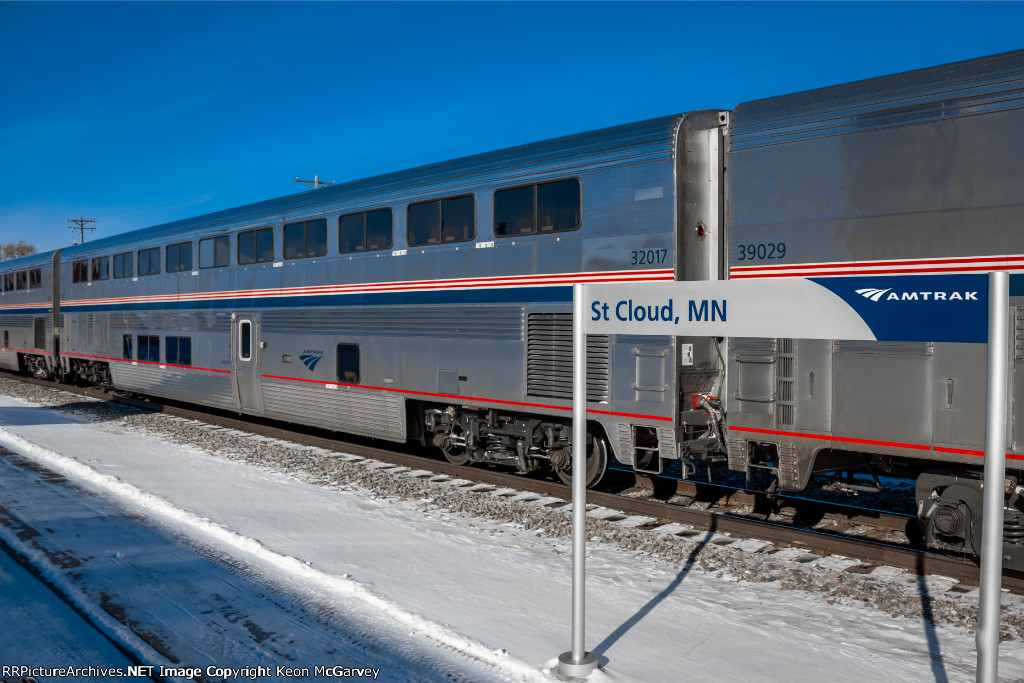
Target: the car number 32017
pixel 646 257
pixel 770 250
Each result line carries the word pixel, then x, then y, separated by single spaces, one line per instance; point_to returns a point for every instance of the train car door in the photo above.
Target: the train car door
pixel 245 352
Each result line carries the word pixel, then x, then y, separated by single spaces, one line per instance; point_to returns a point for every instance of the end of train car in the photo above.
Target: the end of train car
pixel 29 315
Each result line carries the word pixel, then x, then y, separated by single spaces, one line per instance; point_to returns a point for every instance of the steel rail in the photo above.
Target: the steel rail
pixel 922 562
pixel 665 488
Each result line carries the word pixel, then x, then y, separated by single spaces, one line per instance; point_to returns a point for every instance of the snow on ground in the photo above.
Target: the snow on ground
pixel 232 565
pixel 37 623
pixel 184 608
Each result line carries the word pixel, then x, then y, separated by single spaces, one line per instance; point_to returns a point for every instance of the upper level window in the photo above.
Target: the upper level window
pixel 304 240
pixel 531 209
pixel 21 278
pixel 80 271
pixel 179 257
pixel 35 278
pixel 101 268
pixel 256 246
pixel 442 221
pixel 215 252
pixel 123 265
pixel 366 231
pixel 149 261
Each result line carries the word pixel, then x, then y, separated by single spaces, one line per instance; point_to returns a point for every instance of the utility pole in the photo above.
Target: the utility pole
pixel 81 227
pixel 315 183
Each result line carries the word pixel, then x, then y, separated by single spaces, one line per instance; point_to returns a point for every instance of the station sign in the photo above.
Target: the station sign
pixel 971 308
pixel 926 308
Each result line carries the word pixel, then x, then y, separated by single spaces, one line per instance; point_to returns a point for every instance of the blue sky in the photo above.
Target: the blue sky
pixel 137 114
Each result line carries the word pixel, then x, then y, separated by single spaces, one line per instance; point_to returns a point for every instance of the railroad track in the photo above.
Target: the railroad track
pixel 725 510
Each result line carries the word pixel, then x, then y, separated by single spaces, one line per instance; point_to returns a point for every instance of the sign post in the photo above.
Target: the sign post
pixel 943 308
pixel 577 662
pixel 991 578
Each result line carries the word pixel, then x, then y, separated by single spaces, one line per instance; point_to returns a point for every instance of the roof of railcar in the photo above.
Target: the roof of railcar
pixel 631 143
pixel 973 86
pixel 31 261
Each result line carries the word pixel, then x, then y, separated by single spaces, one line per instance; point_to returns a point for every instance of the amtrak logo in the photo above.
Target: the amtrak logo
pixel 873 294
pixel 917 307
pixel 310 358
pixel 890 295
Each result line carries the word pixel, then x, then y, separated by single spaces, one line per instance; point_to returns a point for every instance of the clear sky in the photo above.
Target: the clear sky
pixel 137 114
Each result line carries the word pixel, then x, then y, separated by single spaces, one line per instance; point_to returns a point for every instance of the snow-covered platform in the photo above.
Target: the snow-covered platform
pixel 418 592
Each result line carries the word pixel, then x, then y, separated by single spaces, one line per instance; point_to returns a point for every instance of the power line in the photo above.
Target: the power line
pixel 81 227
pixel 315 183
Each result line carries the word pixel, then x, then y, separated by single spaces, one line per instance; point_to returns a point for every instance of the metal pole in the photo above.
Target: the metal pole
pixel 578 662
pixel 991 573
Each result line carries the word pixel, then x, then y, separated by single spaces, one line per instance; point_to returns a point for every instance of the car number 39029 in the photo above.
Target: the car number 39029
pixel 769 250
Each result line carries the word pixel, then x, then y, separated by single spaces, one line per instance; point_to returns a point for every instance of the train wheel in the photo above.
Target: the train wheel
pixel 597 463
pixel 456 455
pixel 454 452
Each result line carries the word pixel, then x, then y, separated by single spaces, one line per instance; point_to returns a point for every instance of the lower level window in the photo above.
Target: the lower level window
pixel 348 363
pixel 149 348
pixel 126 346
pixel 179 350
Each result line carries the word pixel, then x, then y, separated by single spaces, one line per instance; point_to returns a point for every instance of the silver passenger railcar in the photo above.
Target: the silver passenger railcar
pixel 28 317
pixel 913 173
pixel 430 304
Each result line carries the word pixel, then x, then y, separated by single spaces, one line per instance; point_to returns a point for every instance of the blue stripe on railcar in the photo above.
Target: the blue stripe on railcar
pixel 512 295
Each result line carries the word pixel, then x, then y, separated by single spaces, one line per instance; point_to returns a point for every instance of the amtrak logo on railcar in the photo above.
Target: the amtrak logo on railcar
pixel 310 357
pixel 947 307
pixel 889 295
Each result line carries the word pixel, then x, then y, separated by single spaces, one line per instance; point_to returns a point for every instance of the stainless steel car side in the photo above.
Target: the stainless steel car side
pixel 458 338
pixel 912 173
